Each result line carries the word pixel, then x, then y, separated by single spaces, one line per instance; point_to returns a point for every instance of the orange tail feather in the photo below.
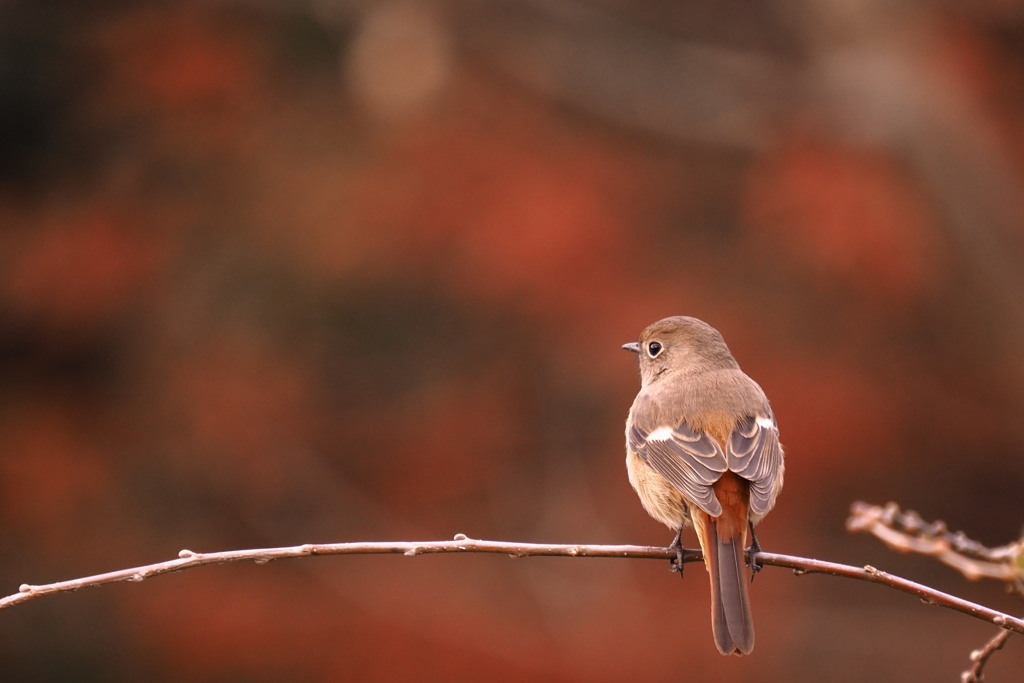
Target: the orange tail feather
pixel 723 541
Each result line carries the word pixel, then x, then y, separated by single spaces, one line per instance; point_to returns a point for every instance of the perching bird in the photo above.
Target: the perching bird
pixel 702 448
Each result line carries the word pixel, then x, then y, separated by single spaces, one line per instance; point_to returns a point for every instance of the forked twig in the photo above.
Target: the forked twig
pixel 979 658
pixel 907 531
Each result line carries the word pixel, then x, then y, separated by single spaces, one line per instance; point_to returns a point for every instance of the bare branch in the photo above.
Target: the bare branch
pixel 980 657
pixel 908 532
pixel 931 596
pixel 187 559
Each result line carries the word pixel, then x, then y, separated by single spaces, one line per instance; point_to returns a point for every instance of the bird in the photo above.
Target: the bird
pixel 702 449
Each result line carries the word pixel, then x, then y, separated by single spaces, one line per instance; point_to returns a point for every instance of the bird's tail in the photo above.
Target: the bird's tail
pixel 731 621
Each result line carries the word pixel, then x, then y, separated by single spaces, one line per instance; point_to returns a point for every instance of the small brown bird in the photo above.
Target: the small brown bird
pixel 702 448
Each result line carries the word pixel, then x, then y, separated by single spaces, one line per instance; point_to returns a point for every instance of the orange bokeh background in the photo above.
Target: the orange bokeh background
pixel 339 271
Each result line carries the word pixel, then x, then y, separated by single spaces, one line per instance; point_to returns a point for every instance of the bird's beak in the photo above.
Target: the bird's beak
pixel 632 346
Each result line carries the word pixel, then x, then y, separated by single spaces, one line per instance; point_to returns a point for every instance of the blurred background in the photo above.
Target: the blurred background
pixel 329 270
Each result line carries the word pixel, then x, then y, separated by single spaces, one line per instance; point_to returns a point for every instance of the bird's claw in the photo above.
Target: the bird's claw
pixel 677 563
pixel 752 552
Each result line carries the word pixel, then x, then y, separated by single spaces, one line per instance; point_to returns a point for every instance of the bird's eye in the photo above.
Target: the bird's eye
pixel 654 348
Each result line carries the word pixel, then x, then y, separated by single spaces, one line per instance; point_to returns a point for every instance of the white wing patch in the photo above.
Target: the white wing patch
pixel 765 423
pixel 661 434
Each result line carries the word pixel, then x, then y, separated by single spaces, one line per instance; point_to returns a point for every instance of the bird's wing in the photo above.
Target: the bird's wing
pixel 754 453
pixel 691 462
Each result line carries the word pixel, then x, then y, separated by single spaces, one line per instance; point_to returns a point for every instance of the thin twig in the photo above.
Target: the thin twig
pixel 907 531
pixel 801 565
pixel 980 657
pixel 927 594
pixel 188 559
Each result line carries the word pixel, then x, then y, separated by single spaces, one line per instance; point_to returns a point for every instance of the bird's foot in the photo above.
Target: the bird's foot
pixel 752 551
pixel 677 563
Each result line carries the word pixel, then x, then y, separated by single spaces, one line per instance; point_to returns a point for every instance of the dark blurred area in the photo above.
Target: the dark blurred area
pixel 274 273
